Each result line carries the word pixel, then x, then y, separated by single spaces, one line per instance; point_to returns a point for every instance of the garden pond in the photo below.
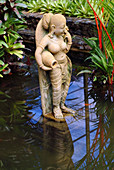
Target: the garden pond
pixel 28 141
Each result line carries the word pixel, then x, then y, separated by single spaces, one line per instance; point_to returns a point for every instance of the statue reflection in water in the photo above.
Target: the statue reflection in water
pixel 56 145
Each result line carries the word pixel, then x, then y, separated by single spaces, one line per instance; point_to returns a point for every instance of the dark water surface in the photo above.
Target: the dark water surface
pixel 83 141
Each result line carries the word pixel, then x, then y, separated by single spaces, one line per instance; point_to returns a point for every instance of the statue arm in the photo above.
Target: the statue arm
pixel 68 40
pixel 38 53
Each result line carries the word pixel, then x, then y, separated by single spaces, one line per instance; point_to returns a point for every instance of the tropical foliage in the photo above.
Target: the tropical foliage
pixel 10 41
pixel 79 8
pixel 102 53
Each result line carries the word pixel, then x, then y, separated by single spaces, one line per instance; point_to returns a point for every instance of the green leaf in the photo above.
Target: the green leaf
pixel 104 63
pixel 5 8
pixel 6 16
pixel 17 53
pixel 17 12
pixel 2 68
pixel 20 102
pixel 0 23
pixel 84 71
pixel 13 37
pixel 1 62
pixel 1 75
pixel 18 45
pixel 95 57
pixel 2 93
pixel 5 37
pixel 2 1
pixel 99 66
pixel 2 32
pixel 93 38
pixel 3 43
pixel 12 4
pixel 95 78
pixel 21 5
pixel 1 53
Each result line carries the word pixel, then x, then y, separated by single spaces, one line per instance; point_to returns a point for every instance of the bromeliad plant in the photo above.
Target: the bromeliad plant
pixel 102 53
pixel 10 23
pixel 79 8
pixel 83 9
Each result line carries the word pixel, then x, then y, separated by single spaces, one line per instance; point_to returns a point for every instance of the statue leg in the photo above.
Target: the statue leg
pixel 56 81
pixel 65 86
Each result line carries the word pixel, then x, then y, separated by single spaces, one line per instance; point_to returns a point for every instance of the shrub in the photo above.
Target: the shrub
pixel 10 44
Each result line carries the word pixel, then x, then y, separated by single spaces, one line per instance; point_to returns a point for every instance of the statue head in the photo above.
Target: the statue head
pixel 55 23
pixel 58 24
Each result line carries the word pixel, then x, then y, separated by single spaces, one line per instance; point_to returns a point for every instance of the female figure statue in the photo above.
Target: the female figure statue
pixel 53 41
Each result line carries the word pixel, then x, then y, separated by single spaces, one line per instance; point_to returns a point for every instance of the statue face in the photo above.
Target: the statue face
pixel 60 29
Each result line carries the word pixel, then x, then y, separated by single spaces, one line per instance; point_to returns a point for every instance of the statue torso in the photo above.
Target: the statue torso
pixel 57 46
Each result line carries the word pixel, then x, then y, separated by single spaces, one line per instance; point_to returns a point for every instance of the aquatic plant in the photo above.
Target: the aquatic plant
pixel 10 23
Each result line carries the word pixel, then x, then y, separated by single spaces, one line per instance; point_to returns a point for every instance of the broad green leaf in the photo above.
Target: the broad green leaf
pixel 3 43
pixel 18 45
pixel 17 53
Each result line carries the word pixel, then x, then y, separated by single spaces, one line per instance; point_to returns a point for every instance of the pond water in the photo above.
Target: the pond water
pixel 83 141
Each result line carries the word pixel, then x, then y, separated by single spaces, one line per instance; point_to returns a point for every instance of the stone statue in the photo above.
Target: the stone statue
pixel 53 41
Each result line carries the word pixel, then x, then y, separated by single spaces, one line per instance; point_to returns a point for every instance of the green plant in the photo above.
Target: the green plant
pixel 10 23
pixel 34 5
pixel 46 6
pixel 83 9
pixel 60 6
pixel 102 53
pixel 79 8
pixel 100 64
pixel 2 67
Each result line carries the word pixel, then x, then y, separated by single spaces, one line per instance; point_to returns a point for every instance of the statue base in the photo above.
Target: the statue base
pixel 51 117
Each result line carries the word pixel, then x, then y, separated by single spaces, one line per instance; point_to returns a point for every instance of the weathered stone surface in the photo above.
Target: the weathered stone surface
pixel 78 28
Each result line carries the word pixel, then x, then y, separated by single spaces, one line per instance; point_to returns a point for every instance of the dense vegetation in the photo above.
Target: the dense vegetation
pixel 78 8
pixel 102 53
pixel 11 22
pixel 10 41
